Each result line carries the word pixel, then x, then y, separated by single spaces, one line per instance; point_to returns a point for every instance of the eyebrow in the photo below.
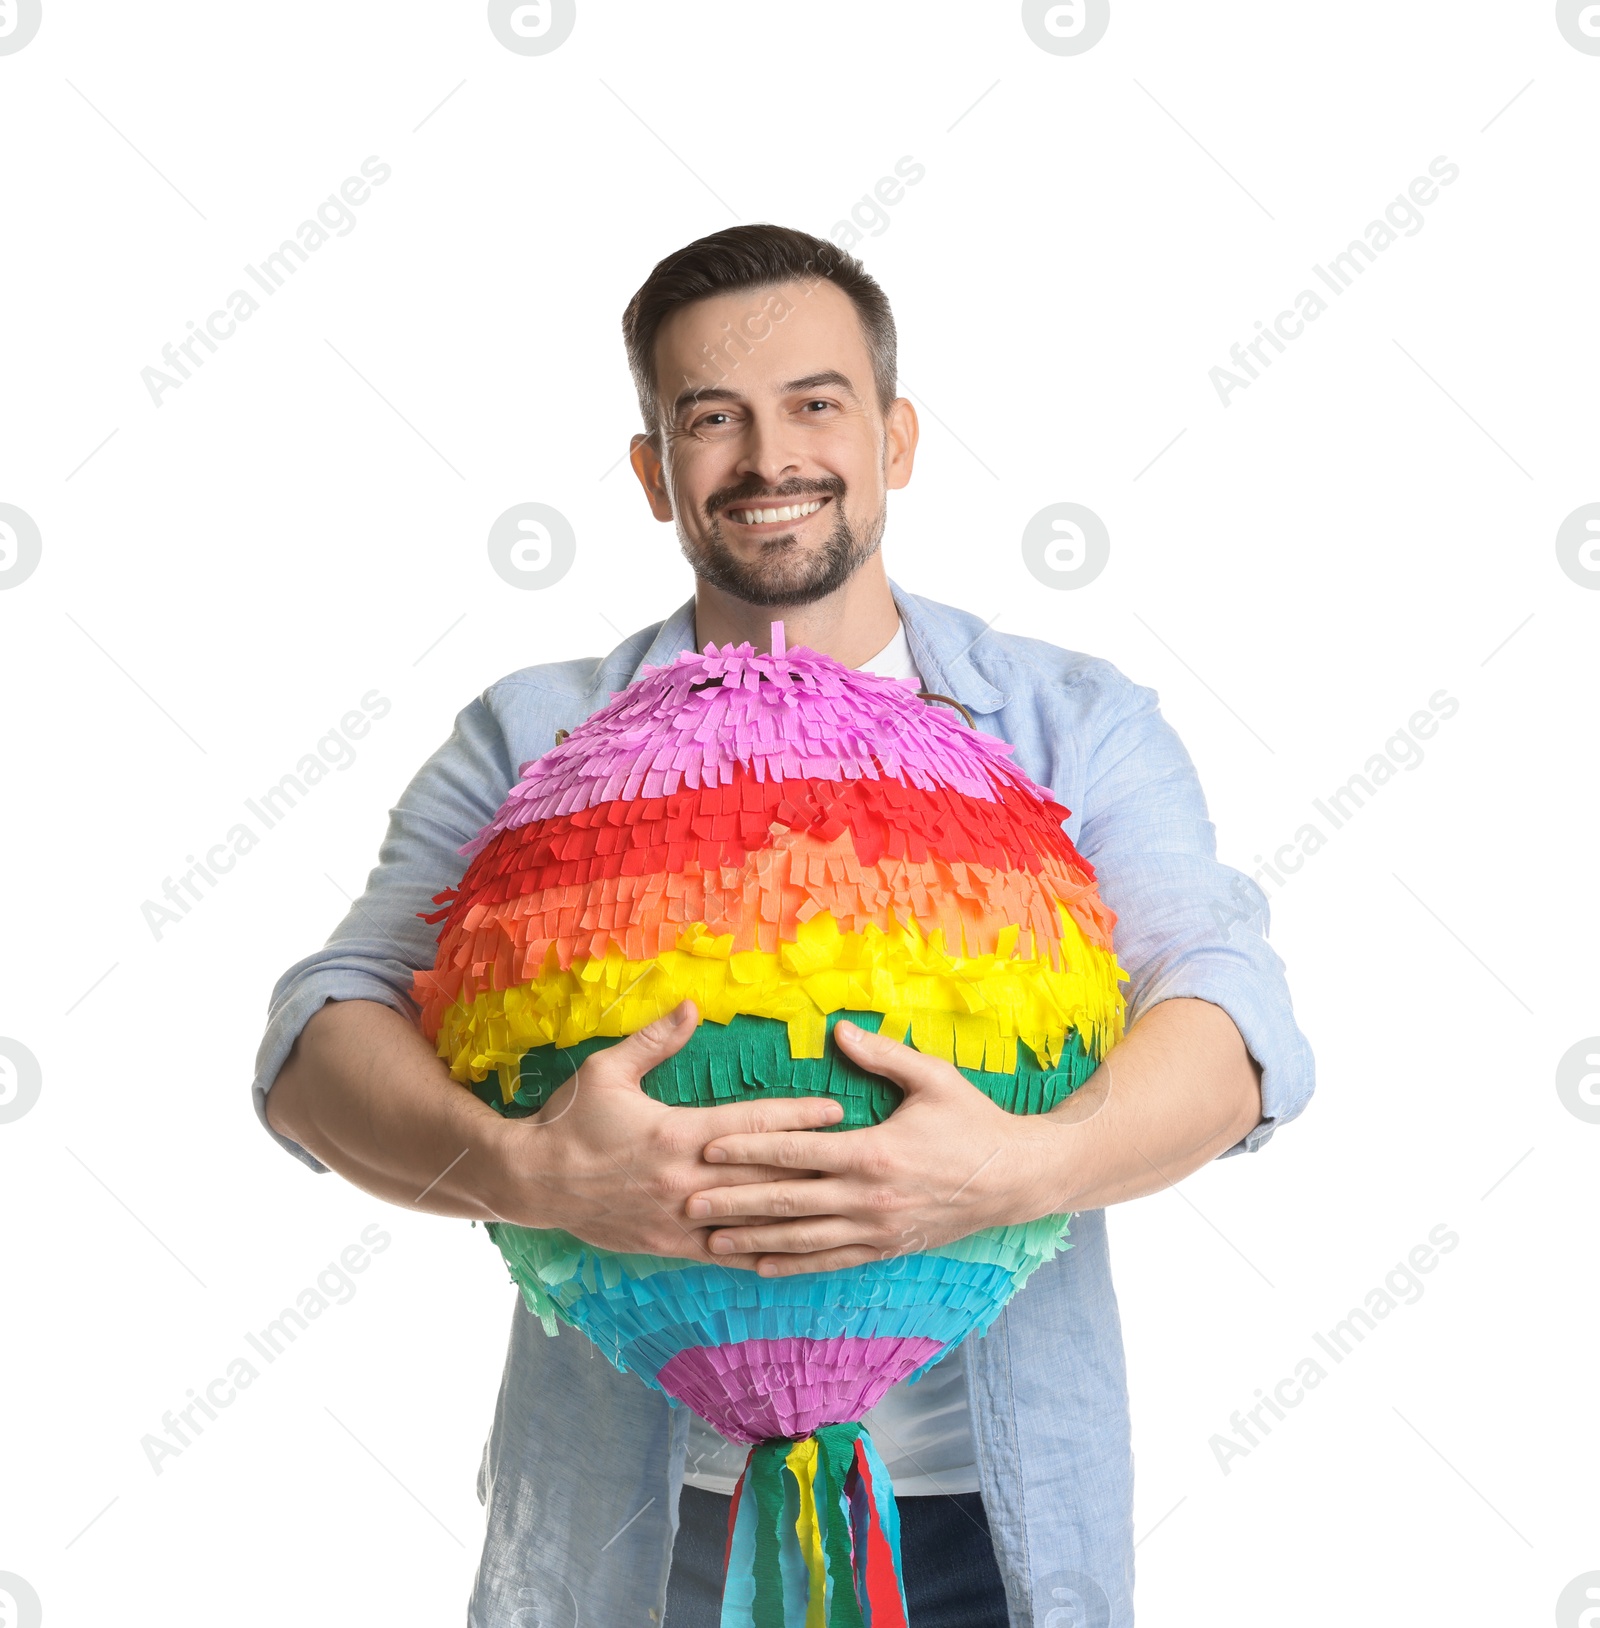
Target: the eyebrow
pixel 831 378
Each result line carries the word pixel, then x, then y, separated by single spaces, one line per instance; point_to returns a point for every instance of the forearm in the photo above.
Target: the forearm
pixel 1176 1091
pixel 364 1092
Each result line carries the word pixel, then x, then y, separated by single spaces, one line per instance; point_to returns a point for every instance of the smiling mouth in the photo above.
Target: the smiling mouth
pixel 775 515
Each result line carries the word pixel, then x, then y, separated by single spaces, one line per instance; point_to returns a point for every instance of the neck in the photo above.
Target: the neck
pixel 852 624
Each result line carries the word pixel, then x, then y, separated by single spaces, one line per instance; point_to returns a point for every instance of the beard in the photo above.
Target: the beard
pixel 785 572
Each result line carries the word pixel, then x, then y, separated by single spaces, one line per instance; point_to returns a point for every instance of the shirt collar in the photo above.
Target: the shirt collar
pixel 941 639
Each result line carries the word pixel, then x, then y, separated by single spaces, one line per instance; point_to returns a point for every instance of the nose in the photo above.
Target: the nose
pixel 769 452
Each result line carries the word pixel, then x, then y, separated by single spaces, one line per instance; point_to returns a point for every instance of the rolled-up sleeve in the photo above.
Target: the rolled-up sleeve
pixel 373 951
pixel 1187 925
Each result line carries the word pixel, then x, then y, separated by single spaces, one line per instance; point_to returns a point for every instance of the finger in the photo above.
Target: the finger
pixel 733 1263
pixel 808 1237
pixel 768 1114
pixel 767 1199
pixel 908 1068
pixel 636 1054
pixel 703 1234
pixel 788 1266
pixel 790 1150
pixel 742 1175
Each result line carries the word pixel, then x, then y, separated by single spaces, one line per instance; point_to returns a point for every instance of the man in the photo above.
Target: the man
pixel 765 364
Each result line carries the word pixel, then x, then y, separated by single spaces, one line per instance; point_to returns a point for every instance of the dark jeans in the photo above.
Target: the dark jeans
pixel 947 1561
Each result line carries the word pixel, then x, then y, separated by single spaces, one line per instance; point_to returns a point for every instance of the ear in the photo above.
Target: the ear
pixel 644 453
pixel 900 443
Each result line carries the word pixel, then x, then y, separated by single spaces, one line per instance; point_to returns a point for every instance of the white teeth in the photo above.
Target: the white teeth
pixel 794 511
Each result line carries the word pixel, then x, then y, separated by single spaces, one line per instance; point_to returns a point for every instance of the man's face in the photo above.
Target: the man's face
pixel 775 458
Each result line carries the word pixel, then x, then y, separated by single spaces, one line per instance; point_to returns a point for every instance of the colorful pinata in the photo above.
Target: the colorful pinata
pixel 788 841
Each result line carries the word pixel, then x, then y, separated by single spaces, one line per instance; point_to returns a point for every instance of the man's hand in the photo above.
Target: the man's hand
pixel 366 1093
pixel 947 1162
pixel 612 1166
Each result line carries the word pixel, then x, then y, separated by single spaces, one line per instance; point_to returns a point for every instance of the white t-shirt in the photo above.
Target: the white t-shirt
pixel 923 1431
pixel 894 660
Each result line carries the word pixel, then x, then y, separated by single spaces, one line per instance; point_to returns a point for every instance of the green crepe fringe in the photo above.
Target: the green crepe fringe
pixel 733 1062
pixel 749 1057
pixel 736 1061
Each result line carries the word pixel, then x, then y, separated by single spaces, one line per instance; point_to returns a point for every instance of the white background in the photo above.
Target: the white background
pixel 1370 522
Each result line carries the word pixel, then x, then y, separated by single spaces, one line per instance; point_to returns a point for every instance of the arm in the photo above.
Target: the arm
pixel 1188 927
pixel 367 961
pixel 364 1092
pixel 1177 1091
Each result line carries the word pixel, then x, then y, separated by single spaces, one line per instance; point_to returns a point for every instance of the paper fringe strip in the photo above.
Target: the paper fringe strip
pixel 969 1010
pixel 635 872
pixel 644 1310
pixel 722 825
pixel 728 1062
pixel 497 944
pixel 790 715
pixel 796 1384
pixel 814 1537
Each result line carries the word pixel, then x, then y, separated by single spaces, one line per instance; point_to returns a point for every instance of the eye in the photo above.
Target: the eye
pixel 708 420
pixel 818 403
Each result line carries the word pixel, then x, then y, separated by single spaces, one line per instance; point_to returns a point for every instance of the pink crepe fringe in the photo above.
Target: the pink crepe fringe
pixel 759 1389
pixel 793 714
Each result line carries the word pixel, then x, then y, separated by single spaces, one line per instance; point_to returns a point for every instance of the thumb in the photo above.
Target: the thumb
pixel 913 1071
pixel 646 1047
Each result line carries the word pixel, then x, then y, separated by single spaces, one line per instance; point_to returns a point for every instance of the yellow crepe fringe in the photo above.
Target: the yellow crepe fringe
pixel 969 1010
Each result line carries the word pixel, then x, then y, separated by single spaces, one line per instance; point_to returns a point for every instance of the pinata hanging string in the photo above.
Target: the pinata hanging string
pixel 950 701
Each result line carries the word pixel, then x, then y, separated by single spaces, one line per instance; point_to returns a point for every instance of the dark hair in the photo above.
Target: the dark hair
pixel 752 257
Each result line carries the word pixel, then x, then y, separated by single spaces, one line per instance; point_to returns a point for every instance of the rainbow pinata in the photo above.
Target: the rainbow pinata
pixel 789 841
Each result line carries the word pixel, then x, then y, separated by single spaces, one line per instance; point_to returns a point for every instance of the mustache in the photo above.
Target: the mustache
pixel 749 494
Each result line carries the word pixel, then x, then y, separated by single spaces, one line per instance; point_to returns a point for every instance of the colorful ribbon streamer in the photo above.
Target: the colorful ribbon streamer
pixel 814 1536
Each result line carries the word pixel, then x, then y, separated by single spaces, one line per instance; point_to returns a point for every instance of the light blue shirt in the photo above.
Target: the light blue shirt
pixel 582 1468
